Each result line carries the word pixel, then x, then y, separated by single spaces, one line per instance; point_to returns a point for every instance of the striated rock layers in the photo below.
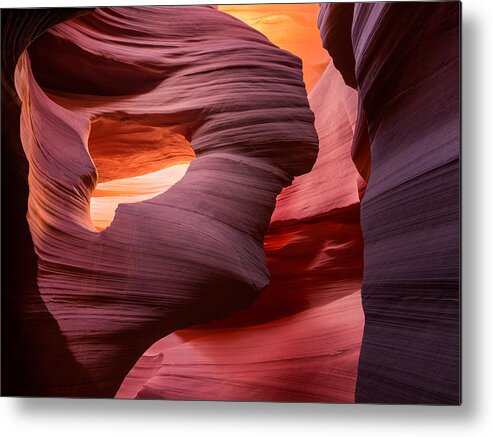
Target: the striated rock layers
pixel 233 266
pixel 404 61
pixel 300 339
pixel 292 27
pixel 194 253
pixel 33 349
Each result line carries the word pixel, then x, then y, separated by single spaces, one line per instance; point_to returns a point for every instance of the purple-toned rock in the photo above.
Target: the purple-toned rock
pixel 194 253
pixel 406 71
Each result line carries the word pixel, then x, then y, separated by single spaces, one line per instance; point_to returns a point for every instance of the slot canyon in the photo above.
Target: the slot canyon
pixel 252 202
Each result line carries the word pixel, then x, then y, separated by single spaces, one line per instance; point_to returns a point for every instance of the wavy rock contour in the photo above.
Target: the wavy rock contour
pixel 300 339
pixel 194 253
pixel 406 70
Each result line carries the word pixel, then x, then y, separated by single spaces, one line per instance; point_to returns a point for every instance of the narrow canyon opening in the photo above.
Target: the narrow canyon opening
pixel 135 162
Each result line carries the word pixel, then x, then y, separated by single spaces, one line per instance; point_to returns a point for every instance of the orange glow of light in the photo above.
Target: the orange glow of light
pixel 292 27
pixel 108 195
pixel 135 162
pixel 122 149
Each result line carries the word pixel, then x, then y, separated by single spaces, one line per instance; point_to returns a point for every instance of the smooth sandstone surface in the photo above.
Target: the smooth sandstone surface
pixel 39 362
pixel 196 220
pixel 291 27
pixel 407 72
pixel 194 253
pixel 300 340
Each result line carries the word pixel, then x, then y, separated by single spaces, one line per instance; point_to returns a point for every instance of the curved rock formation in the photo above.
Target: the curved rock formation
pixel 300 339
pixel 406 70
pixel 308 357
pixel 181 222
pixel 290 27
pixel 34 346
pixel 194 253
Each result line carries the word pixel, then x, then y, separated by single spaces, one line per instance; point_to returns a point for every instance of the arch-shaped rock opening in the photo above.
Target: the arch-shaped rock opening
pixel 134 162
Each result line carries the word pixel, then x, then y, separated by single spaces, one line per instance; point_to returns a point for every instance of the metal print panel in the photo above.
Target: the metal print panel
pixel 248 203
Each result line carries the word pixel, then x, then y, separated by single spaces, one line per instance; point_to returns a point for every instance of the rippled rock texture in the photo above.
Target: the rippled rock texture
pixel 404 61
pixel 194 253
pixel 301 338
pixel 196 181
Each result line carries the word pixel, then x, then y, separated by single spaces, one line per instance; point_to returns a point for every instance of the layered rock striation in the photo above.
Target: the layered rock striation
pixel 34 345
pixel 300 340
pixel 404 61
pixel 194 253
pixel 200 228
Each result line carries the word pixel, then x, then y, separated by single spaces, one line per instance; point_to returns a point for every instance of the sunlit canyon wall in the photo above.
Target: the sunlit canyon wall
pixel 197 129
